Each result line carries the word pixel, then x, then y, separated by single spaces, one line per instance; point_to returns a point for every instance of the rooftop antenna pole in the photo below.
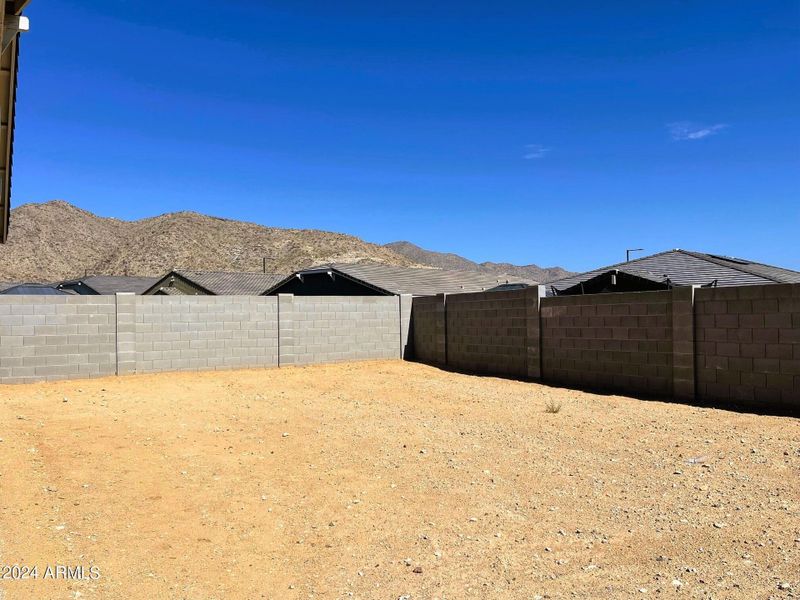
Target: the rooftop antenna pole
pixel 264 260
pixel 628 253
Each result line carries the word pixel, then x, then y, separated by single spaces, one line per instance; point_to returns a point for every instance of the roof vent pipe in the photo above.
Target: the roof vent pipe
pixel 628 253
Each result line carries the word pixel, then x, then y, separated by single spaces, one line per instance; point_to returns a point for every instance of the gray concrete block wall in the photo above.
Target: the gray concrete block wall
pixel 126 333
pixel 340 328
pixel 56 337
pixel 178 333
pixel 748 344
pixel 613 341
pixel 286 353
pixel 487 332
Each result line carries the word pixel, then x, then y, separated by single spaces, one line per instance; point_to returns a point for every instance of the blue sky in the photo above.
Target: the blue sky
pixel 554 133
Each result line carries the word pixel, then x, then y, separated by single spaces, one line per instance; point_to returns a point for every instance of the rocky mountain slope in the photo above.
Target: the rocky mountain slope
pixel 56 240
pixel 447 260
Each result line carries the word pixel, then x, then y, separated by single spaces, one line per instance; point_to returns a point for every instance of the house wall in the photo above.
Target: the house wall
pixel 709 344
pixel 56 337
pixel 179 283
pixel 748 344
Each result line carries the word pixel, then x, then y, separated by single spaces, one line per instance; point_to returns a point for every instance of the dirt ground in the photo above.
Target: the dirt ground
pixel 389 480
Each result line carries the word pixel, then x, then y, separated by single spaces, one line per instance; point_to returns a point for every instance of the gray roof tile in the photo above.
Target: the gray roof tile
pixel 684 267
pixel 232 284
pixel 171 291
pixel 111 284
pixel 419 282
pixel 34 289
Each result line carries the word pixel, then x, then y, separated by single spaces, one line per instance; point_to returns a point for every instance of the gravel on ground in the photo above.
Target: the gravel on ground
pixel 389 480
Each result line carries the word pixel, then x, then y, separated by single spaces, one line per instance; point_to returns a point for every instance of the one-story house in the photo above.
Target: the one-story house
pixel 375 279
pixel 8 284
pixel 670 269
pixel 32 289
pixel 212 283
pixel 102 285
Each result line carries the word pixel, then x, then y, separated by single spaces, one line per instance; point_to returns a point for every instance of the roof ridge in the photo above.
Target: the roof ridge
pixel 422 268
pixel 117 277
pixel 225 272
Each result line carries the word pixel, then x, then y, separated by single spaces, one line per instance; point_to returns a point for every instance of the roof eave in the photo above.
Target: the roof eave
pixel 159 284
pixel 325 270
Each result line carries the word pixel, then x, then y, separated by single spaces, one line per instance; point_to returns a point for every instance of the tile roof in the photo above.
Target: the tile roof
pixel 684 267
pixel 171 291
pixel 34 289
pixel 770 272
pixel 222 283
pixel 111 284
pixel 418 282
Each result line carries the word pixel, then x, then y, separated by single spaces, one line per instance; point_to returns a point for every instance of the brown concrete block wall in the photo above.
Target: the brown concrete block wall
pixel 428 329
pixel 748 344
pixel 618 342
pixel 487 332
pixel 714 344
pixel 683 352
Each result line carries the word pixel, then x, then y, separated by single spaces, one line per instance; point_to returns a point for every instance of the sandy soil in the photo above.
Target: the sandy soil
pixel 389 480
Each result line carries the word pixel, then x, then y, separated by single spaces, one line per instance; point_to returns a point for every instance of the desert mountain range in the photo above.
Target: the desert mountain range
pixel 56 240
pixel 447 260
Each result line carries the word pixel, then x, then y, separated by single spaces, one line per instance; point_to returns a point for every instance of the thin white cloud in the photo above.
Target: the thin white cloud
pixel 686 130
pixel 534 151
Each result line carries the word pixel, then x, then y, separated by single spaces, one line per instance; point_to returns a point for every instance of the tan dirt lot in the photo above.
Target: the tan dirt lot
pixel 341 481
